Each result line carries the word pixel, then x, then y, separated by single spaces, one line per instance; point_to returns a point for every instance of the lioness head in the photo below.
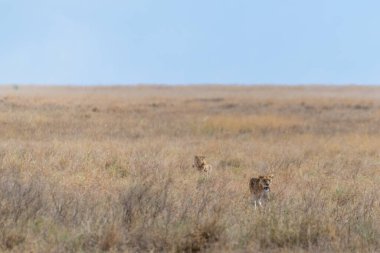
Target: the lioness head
pixel 265 182
pixel 199 161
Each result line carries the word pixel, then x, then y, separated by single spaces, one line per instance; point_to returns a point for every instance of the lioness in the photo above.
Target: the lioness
pixel 260 188
pixel 201 165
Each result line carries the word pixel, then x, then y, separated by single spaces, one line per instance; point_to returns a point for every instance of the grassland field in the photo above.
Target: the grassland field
pixel 109 169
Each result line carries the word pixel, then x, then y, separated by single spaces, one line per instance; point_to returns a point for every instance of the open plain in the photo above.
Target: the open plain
pixel 94 169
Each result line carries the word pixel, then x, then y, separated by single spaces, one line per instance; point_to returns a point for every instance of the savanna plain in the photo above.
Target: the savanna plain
pixel 109 169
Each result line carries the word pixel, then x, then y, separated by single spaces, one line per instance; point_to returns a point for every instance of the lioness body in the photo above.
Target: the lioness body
pixel 260 188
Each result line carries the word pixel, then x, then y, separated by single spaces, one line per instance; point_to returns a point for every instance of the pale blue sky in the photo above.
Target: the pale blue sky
pixel 189 41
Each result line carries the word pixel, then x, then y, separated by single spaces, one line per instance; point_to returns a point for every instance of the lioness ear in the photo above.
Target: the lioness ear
pixel 271 176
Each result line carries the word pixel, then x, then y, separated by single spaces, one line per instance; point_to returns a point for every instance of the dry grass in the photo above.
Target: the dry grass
pixel 109 169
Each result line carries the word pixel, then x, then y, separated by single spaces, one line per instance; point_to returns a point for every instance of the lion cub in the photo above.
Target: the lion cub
pixel 201 165
pixel 260 188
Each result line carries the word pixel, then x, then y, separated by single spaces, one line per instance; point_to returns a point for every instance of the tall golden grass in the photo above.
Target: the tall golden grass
pixel 110 169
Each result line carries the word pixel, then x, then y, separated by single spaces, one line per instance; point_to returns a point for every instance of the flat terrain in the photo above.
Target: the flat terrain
pixel 110 169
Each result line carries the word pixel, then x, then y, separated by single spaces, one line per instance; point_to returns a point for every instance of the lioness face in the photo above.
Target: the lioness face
pixel 199 161
pixel 265 183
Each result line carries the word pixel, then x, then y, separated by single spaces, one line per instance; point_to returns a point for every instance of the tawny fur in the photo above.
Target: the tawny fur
pixel 201 165
pixel 260 188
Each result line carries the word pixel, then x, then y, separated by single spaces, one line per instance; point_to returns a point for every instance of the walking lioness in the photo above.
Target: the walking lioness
pixel 201 165
pixel 260 188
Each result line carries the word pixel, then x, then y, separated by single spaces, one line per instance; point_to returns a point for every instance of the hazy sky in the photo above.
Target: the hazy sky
pixel 189 41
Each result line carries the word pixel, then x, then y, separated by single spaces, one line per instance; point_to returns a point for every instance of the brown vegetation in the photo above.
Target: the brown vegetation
pixel 110 169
